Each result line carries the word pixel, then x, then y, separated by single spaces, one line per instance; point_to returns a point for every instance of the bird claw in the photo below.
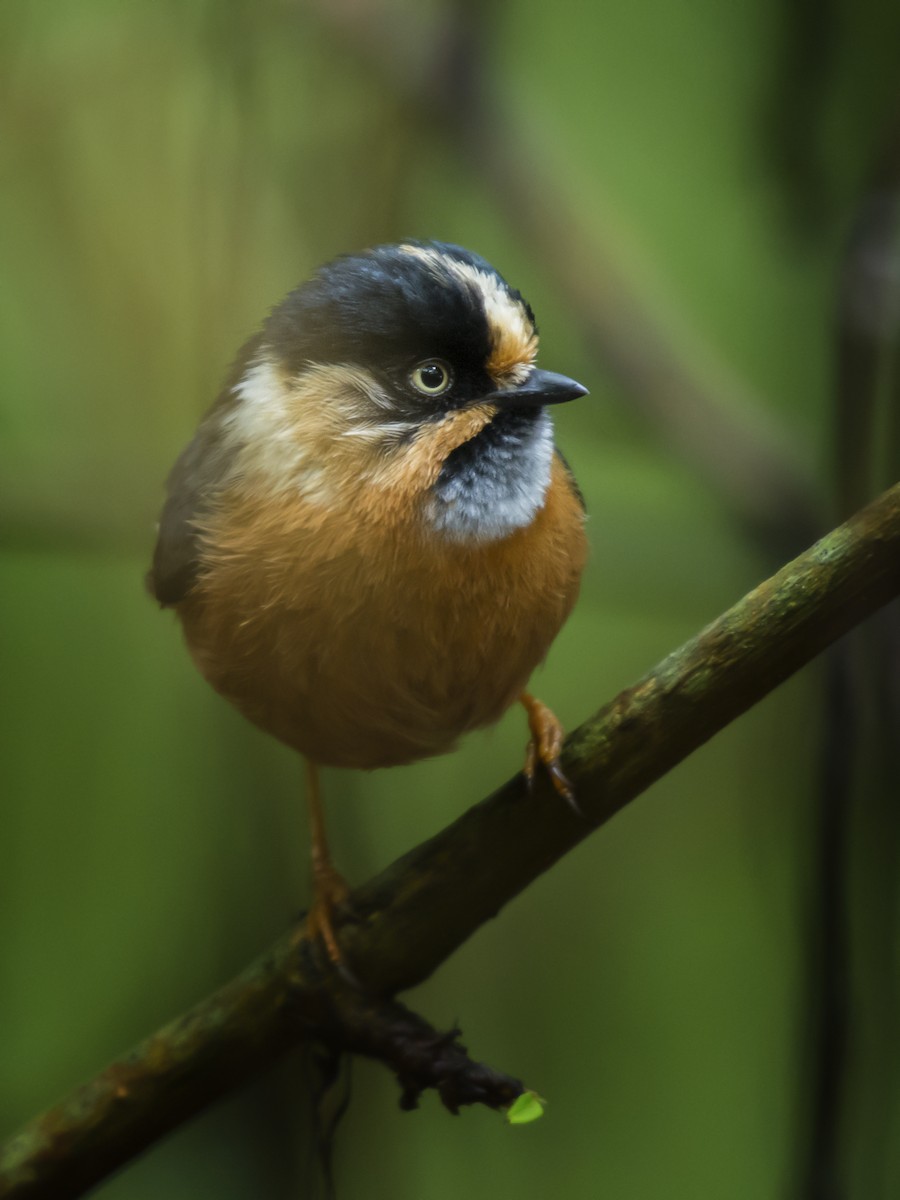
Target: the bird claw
pixel 330 892
pixel 544 747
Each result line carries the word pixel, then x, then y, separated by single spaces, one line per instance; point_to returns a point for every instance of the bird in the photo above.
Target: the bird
pixel 372 539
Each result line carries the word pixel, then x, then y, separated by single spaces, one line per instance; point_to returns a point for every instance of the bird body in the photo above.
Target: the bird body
pixel 364 641
pixel 371 540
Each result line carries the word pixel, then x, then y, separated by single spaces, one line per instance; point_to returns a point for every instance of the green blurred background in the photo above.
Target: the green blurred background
pixel 169 170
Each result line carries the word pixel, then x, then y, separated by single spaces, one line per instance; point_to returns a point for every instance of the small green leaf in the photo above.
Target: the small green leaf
pixel 525 1109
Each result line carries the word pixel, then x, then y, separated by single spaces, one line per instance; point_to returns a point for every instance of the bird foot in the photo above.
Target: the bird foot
pixel 330 892
pixel 544 747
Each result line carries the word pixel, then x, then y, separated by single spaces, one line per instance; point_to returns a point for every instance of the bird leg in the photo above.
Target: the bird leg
pixel 329 887
pixel 544 747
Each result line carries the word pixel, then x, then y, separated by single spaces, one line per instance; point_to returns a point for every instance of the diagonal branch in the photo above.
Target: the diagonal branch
pixel 410 918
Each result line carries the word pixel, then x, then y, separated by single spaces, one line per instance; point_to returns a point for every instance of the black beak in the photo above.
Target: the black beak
pixel 541 387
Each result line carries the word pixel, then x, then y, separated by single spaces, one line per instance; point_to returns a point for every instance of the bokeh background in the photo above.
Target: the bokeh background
pixel 699 202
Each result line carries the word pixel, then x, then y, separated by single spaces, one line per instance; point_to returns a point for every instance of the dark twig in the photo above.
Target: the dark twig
pixel 409 919
pixel 823 1009
pixel 861 686
pixel 282 1000
pixel 419 1056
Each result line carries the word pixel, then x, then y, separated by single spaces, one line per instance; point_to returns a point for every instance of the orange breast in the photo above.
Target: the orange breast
pixel 361 639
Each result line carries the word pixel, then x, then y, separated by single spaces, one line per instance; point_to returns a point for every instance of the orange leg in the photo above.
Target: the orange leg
pixel 544 747
pixel 329 886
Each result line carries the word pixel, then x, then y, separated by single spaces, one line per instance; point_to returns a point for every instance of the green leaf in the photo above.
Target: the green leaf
pixel 525 1109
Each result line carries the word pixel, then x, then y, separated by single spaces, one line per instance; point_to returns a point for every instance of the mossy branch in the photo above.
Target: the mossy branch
pixel 410 918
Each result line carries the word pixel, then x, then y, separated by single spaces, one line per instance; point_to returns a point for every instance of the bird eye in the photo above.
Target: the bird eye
pixel 431 377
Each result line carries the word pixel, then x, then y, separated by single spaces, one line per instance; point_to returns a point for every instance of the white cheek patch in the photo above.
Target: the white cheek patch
pixel 282 429
pixel 498 486
pixel 263 427
pixel 386 435
pixel 366 408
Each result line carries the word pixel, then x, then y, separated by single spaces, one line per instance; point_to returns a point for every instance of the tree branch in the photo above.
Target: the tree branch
pixel 409 919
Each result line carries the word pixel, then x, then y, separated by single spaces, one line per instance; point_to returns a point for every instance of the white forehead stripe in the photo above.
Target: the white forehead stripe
pixel 513 339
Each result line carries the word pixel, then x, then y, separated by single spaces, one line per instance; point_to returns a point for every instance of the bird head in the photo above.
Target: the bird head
pixel 403 377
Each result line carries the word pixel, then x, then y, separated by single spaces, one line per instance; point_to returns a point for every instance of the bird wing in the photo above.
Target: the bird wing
pixel 195 480
pixel 573 482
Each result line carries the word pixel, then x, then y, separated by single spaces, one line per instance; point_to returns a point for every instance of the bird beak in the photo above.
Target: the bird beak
pixel 541 387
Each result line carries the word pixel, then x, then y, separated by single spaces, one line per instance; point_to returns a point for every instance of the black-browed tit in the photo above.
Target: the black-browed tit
pixel 372 541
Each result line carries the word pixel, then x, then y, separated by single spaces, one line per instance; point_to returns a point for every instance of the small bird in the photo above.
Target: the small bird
pixel 371 540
